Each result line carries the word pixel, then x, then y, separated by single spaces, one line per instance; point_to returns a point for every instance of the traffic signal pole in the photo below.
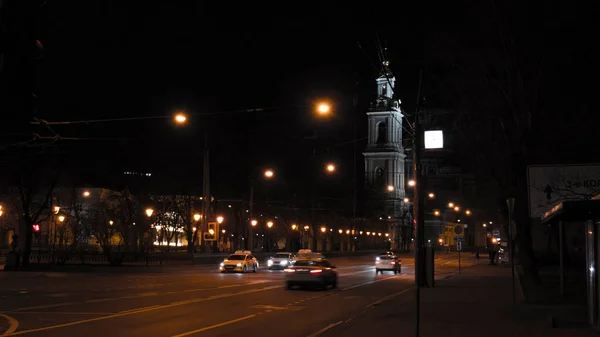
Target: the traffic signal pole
pixel 419 212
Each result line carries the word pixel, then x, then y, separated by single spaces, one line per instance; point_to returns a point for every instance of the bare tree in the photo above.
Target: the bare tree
pixel 493 86
pixel 34 180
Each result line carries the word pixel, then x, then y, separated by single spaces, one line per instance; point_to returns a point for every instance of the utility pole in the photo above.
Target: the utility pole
pixel 249 224
pixel 355 104
pixel 418 209
pixel 206 193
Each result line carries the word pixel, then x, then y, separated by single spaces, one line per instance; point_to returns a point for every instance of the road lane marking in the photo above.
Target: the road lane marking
pixel 63 313
pixel 370 282
pixel 269 307
pixel 126 297
pixel 215 326
pixel 138 309
pixel 389 297
pixel 13 324
pixel 142 310
pixel 329 327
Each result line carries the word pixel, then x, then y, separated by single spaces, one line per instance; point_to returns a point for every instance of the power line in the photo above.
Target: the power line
pixel 39 121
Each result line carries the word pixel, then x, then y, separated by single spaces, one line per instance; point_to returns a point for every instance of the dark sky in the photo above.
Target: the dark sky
pixel 116 59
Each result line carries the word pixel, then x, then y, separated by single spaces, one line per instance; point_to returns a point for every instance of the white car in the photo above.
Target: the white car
pixel 307 254
pixel 281 260
pixel 240 261
pixel 387 263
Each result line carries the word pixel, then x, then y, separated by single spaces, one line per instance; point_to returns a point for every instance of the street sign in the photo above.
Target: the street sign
pixel 459 244
pixel 549 185
pixel 496 232
pixel 458 230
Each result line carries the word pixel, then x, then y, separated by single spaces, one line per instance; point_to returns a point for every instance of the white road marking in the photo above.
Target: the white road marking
pixel 215 326
pixel 329 327
pixel 159 307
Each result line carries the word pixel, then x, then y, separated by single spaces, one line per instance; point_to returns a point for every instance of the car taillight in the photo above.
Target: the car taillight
pixel 289 270
pixel 316 271
pixel 376 262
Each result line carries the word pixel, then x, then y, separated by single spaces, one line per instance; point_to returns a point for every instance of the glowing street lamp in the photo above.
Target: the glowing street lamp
pixel 149 212
pixel 180 118
pixel 436 213
pixel 220 219
pixel 431 195
pixel 270 224
pixel 323 229
pixel 86 193
pixel 253 223
pixel 294 227
pixel 450 205
pixel 484 225
pixel 111 222
pixel 323 109
pixel 411 183
pixel 197 217
pixel 406 200
pixel 269 174
pixel 61 218
pixel 390 188
pixel 330 168
pixel 468 212
pixel 340 231
pixel 456 208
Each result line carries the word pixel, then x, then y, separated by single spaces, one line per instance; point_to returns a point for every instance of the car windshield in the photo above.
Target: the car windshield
pixel 386 257
pixel 282 256
pixel 308 263
pixel 236 257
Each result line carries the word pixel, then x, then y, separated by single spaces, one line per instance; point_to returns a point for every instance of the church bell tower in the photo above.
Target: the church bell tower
pixel 385 158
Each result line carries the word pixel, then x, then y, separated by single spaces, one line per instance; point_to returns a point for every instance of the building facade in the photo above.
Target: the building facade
pixel 385 164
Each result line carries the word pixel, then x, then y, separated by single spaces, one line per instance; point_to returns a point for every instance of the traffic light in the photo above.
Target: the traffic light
pixel 36 231
pixel 212 233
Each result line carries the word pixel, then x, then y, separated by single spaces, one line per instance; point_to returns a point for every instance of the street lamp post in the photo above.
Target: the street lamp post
pixel 418 209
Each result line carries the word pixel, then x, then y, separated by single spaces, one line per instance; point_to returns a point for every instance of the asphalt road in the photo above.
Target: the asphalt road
pixel 194 301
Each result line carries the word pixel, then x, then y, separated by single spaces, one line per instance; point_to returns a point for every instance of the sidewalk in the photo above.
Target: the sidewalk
pixel 478 302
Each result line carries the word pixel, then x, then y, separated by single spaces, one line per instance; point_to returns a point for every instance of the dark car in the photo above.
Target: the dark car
pixel 311 272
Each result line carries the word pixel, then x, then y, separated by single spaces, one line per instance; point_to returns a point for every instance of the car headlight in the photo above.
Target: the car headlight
pixel 270 262
pixel 377 258
pixel 239 264
pixel 222 264
pixel 284 262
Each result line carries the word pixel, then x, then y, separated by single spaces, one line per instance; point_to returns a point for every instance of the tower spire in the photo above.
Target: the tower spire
pixel 385 69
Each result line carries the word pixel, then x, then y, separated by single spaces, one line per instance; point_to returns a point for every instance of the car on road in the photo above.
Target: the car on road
pixel 240 261
pixel 311 272
pixel 388 263
pixel 281 260
pixel 307 254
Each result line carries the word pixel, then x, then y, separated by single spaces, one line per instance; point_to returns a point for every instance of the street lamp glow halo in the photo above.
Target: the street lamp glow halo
pixel 180 118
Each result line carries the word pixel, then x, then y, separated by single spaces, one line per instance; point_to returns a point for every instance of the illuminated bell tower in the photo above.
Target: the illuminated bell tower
pixel 385 158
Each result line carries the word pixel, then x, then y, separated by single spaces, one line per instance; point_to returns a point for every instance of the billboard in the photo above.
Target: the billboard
pixel 549 185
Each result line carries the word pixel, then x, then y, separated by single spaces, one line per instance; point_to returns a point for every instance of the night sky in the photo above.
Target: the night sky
pixel 117 60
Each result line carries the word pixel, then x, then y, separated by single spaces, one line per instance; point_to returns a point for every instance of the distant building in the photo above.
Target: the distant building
pixel 385 164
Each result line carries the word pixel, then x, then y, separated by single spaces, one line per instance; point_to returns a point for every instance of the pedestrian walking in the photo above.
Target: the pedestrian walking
pixel 477 256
